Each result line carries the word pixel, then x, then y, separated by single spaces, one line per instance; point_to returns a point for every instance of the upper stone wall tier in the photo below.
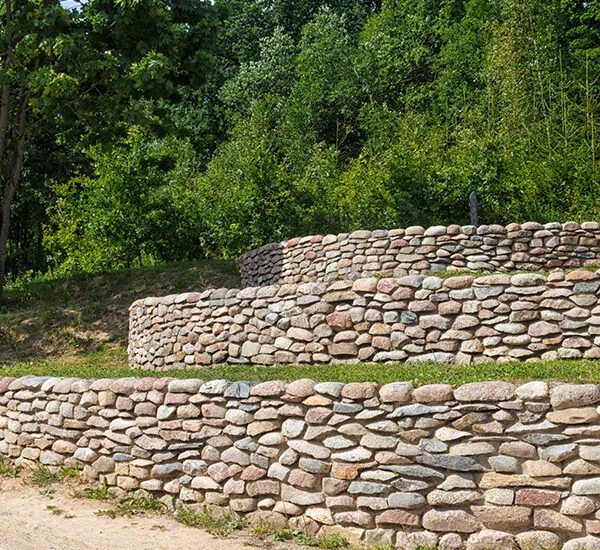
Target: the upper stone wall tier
pixel 416 250
pixel 414 318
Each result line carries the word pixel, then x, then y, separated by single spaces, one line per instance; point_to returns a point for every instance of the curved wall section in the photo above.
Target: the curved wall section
pixel 414 318
pixel 485 466
pixel 416 250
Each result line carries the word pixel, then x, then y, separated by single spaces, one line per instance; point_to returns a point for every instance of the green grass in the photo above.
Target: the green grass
pixel 77 327
pixel 101 366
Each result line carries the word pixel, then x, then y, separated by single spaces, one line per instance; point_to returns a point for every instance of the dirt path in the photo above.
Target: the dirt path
pixel 26 523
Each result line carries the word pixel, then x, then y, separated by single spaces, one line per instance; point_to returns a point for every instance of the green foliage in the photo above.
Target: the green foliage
pixel 73 79
pixel 137 205
pixel 318 117
pixel 43 477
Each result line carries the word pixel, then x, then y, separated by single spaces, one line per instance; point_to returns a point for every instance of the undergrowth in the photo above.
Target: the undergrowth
pixel 135 504
pixel 43 476
pixel 219 525
pixel 8 469
pixel 95 493
pixel 297 536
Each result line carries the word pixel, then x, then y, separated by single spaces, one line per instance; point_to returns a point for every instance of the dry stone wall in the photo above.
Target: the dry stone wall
pixel 484 466
pixel 413 318
pixel 416 250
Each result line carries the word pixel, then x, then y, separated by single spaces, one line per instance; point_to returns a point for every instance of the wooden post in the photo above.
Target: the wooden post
pixel 473 204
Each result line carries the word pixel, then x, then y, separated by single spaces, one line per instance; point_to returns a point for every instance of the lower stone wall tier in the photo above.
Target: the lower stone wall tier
pixel 487 465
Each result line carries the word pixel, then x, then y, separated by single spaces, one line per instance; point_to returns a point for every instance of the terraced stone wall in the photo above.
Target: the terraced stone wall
pixel 485 466
pixel 416 250
pixel 413 318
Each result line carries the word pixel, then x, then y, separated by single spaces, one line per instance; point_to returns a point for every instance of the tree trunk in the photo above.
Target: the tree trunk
pixel 13 165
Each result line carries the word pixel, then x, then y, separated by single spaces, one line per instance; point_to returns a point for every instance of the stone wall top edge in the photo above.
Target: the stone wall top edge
pixel 372 284
pixel 418 230
pixel 560 394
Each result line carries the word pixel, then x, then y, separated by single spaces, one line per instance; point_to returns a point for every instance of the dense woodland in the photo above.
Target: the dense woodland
pixel 142 131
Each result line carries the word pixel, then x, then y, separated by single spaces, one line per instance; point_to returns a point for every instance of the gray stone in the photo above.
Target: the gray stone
pixel 587 486
pixel 583 543
pixel 418 410
pixel 456 463
pixel 565 396
pixel 485 391
pixel 302 498
pixel 488 539
pixel 406 500
pixel 558 453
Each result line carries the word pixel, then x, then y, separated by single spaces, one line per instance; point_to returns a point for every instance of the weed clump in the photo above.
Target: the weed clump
pixel 215 524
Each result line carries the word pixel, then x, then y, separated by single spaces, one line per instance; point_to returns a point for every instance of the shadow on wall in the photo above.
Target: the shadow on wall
pixel 262 266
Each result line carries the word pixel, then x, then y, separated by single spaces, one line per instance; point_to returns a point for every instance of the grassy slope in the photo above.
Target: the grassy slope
pixel 67 319
pixel 78 327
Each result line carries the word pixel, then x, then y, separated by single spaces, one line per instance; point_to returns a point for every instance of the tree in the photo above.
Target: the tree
pixel 137 204
pixel 90 73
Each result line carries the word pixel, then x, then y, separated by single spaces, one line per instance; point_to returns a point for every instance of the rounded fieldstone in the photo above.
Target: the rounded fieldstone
pixel 459 282
pixel 584 415
pixel 451 541
pixel 360 390
pixel 406 500
pixel 274 388
pixel 415 540
pixel 333 389
pixel 532 391
pixel 564 396
pixel 485 391
pixel 528 279
pixel 184 386
pixel 396 392
pixel 433 393
pixel 450 520
pixel 538 540
pixel 488 539
pixel 301 388
pixel 587 543
pixel 578 506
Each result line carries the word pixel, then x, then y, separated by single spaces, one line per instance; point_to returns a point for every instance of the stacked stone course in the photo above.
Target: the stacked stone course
pixel 414 318
pixel 416 250
pixel 485 466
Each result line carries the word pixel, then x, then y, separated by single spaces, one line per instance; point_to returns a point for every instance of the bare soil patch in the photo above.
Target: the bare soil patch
pixel 33 521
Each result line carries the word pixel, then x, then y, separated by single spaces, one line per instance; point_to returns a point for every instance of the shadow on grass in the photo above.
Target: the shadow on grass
pixel 90 313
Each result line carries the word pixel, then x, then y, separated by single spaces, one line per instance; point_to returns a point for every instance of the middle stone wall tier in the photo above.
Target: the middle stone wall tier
pixel 415 318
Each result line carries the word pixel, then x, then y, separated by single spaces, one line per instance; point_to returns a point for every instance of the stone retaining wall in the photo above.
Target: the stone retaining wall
pixel 486 465
pixel 416 250
pixel 413 318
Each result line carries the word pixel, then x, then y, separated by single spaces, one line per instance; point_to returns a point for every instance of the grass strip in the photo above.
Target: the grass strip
pixel 100 366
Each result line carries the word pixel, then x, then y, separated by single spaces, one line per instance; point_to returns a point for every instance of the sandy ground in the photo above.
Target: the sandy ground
pixel 26 523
